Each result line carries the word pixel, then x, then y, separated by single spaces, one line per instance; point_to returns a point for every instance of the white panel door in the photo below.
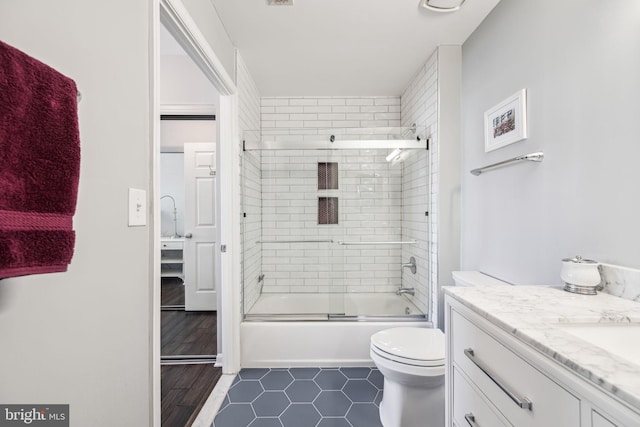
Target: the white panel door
pixel 200 226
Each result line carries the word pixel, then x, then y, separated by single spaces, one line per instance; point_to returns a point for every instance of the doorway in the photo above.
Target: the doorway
pixel 187 234
pixel 176 19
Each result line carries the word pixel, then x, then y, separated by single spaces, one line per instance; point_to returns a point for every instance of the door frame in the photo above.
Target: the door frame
pixel 175 17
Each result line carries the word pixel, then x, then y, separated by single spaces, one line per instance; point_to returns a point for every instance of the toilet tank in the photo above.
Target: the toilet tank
pixel 475 278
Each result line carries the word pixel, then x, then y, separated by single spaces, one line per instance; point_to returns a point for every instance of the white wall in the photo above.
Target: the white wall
pixel 83 337
pixel 212 28
pixel 579 61
pixel 182 82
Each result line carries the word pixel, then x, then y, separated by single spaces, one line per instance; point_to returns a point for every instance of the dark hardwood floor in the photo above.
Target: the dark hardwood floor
pixel 172 291
pixel 185 388
pixel 188 333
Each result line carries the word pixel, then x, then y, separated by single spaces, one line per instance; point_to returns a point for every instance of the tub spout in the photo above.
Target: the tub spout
pixel 410 291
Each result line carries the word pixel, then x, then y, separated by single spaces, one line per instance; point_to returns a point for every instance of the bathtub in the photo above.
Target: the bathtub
pixel 297 330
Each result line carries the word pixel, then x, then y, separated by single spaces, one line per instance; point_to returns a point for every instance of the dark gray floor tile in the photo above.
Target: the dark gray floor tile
pixel 235 415
pixel 378 399
pixel 225 402
pixel 253 373
pixel 360 391
pixel 266 422
pixel 245 391
pixel 276 380
pixel 300 415
pixel 334 422
pixel 332 404
pixel 302 391
pixel 304 373
pixel 364 415
pixel 376 378
pixel 356 373
pixel 270 404
pixel 330 379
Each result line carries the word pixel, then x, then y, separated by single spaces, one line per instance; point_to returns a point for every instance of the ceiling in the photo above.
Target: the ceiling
pixel 342 47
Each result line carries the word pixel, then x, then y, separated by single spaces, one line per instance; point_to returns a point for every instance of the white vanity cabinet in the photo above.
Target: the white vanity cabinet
pixel 494 379
pixel 172 258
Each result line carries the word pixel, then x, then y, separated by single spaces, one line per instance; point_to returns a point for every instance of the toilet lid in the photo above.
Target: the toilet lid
pixel 414 346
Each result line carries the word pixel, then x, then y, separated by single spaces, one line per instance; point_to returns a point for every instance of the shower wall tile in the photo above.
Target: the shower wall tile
pixel 251 186
pixel 419 105
pixel 369 196
pixel 294 119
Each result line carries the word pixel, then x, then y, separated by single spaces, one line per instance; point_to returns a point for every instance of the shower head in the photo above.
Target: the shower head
pixel 395 155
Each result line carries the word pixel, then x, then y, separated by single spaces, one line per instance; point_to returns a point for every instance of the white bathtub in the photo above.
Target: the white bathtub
pixel 353 304
pixel 307 336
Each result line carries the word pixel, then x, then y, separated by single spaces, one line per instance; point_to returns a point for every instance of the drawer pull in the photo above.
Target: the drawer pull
pixel 522 402
pixel 471 419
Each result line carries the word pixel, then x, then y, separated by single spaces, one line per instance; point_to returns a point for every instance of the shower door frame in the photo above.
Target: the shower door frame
pixel 356 144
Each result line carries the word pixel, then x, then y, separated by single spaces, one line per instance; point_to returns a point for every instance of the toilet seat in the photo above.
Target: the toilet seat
pixel 422 347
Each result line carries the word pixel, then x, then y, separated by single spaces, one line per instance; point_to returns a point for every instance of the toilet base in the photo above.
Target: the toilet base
pixel 404 406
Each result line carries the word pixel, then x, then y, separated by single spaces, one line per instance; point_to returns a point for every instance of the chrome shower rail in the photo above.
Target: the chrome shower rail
pixel 410 242
pixel 533 157
pixel 340 242
pixel 295 241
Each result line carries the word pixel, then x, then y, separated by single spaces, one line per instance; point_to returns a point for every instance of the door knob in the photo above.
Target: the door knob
pixel 188 236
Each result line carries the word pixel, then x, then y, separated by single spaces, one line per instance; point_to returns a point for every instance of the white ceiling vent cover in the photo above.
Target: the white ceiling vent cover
pixel 442 5
pixel 280 2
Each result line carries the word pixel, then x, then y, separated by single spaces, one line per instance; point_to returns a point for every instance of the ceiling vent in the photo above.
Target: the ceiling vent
pixel 442 5
pixel 280 2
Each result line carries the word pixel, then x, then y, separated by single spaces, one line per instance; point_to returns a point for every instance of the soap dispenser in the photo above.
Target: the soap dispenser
pixel 581 276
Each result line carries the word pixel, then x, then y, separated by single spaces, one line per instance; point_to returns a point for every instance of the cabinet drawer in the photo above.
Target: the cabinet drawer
pixel 171 245
pixel 505 379
pixel 468 403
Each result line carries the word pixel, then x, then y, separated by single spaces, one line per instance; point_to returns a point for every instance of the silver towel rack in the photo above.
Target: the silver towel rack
pixel 532 157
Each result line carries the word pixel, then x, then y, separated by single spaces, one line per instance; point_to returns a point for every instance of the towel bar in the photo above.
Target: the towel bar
pixel 532 157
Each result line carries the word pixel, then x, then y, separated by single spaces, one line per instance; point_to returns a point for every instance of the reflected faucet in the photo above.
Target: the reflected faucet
pixel 175 215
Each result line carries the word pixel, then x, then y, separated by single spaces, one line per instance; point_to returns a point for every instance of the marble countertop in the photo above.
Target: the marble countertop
pixel 531 313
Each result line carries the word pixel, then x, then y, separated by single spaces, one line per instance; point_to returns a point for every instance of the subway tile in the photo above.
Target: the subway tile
pixel 360 101
pixel 331 101
pixel 274 101
pixel 287 109
pixel 320 108
pixel 303 101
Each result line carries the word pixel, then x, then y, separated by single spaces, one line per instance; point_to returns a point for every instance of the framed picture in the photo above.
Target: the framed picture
pixel 506 122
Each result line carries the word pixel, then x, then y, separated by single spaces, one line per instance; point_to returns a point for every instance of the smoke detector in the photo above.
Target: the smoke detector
pixel 280 2
pixel 442 5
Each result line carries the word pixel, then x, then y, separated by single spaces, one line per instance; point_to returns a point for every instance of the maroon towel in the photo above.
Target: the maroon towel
pixel 39 165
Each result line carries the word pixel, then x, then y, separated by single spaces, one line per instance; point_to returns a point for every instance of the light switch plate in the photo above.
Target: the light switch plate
pixel 137 207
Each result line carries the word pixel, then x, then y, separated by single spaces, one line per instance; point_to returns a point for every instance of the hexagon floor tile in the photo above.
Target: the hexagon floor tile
pixel 301 397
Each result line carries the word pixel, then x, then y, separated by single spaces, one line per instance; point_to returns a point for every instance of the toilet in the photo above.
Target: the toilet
pixel 411 361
